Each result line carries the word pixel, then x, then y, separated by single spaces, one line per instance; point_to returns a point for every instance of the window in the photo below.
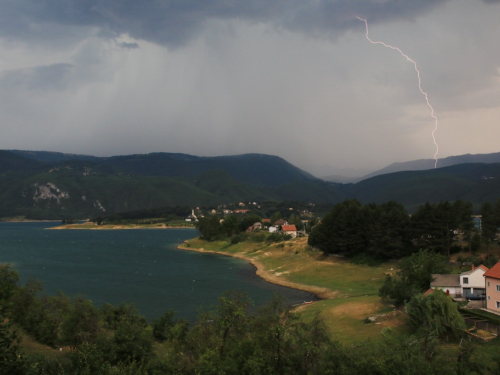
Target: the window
pixel 489 298
pixel 488 284
pixel 498 288
pixel 466 280
pixel 498 305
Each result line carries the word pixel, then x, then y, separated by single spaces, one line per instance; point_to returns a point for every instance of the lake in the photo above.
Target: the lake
pixel 140 266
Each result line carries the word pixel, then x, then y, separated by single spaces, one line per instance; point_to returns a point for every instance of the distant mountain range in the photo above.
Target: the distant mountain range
pixel 48 185
pixel 419 165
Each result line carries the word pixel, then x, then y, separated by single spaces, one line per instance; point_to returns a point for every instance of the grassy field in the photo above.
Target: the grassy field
pixel 351 290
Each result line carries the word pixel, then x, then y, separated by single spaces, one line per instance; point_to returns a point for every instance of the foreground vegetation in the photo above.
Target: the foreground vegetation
pixel 224 340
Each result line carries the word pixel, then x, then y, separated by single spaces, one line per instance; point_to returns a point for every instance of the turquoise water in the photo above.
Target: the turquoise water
pixel 134 266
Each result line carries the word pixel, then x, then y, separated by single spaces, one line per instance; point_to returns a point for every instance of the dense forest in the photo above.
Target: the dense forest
pixel 387 231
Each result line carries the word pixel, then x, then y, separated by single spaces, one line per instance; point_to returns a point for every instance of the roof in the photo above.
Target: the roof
pixel 266 220
pixel 280 222
pixel 429 291
pixel 474 269
pixel 288 228
pixel 445 280
pixel 493 272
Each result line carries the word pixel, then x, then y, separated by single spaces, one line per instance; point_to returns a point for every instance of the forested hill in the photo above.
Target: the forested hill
pixel 45 185
pixel 423 164
pixel 253 169
pixel 477 183
pixel 56 186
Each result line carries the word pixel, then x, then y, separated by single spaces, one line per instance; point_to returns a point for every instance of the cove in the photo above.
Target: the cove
pixel 139 266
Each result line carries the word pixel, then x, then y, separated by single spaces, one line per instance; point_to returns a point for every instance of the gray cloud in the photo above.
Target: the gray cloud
pixel 174 23
pixel 128 45
pixel 48 77
pixel 293 78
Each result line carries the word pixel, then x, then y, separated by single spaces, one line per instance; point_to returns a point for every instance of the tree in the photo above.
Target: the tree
pixel 10 362
pixel 167 328
pixel 82 323
pixel 294 219
pixel 230 225
pixel 8 283
pixel 210 228
pixel 389 235
pixel 342 231
pixel 132 342
pixel 414 276
pixel 436 313
pixel 275 217
pixel 488 224
pixel 497 213
pixel 433 225
pixel 352 229
pixel 463 212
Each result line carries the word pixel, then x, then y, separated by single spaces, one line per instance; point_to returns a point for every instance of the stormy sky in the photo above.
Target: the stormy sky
pixel 293 78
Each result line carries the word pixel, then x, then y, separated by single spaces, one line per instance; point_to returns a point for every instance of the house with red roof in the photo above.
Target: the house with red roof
pixel 492 279
pixel 290 230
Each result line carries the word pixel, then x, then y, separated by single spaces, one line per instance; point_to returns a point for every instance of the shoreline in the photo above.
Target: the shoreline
pixel 117 227
pixel 260 270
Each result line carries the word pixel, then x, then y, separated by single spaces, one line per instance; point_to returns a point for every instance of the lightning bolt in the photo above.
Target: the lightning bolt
pixel 419 85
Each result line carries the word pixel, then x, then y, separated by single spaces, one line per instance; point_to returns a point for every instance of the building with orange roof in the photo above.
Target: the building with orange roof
pixel 290 230
pixel 492 279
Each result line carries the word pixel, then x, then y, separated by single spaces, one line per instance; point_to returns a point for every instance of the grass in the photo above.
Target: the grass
pixel 352 289
pixel 29 345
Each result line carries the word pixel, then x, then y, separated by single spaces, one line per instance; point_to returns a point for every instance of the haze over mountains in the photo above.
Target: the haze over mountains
pixel 48 185
pixel 418 165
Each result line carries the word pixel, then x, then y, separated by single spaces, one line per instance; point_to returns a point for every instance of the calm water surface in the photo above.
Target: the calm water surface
pixel 135 266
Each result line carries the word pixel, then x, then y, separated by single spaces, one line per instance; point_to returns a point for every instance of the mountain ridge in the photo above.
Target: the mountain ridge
pixel 75 188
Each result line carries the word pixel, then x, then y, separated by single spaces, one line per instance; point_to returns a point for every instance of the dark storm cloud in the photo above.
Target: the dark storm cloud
pixel 48 77
pixel 128 45
pixel 175 22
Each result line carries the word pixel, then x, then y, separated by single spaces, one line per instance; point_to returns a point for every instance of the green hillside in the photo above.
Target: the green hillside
pixel 473 182
pixel 77 188
pixel 253 169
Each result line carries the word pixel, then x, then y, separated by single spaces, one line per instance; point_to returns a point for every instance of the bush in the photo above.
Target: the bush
pixel 274 237
pixel 238 238
pixel 366 259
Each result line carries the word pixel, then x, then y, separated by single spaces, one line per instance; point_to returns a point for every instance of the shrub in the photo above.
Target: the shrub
pixel 274 237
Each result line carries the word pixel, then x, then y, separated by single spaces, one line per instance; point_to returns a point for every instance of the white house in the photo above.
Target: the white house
pixel 468 284
pixel 472 282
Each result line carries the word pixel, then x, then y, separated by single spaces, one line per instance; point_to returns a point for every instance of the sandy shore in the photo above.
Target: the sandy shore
pixel 117 227
pixel 321 293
